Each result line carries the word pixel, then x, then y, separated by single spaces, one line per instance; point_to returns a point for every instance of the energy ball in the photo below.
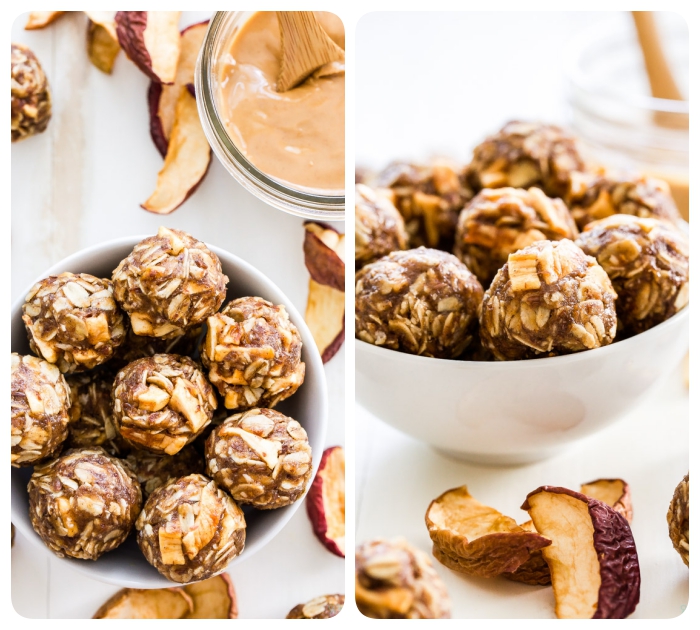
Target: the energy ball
pixel 379 228
pixel 73 321
pixel 169 283
pixel 421 301
pixel 153 470
pixel 525 154
pixel 84 503
pixel 678 518
pixel 253 354
pixel 190 530
pixel 394 580
pixel 161 403
pixel 500 221
pixel 548 299
pixel 91 416
pixel 429 197
pixel 40 404
pixel 31 99
pixel 323 607
pixel 647 261
pixel 261 457
pixel 137 346
pixel 598 196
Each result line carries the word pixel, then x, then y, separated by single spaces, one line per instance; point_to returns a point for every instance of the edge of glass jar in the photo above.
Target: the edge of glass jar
pixel 271 191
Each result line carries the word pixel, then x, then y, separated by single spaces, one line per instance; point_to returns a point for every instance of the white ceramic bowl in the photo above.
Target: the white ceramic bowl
pixel 515 412
pixel 126 566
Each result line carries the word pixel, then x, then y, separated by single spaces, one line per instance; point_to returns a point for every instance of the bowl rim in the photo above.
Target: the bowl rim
pixel 312 358
pixel 540 363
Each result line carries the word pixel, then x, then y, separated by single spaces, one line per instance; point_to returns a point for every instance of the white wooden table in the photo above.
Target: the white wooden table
pixel 80 183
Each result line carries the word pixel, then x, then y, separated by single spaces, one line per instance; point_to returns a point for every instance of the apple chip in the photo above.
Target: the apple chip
pixel 612 492
pixel 134 603
pixel 151 39
pixel 41 19
pixel 214 598
pixel 162 99
pixel 102 42
pixel 325 501
pixel 536 570
pixel 592 559
pixel 186 162
pixel 475 539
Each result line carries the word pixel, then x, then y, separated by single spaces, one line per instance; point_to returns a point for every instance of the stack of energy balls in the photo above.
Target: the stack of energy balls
pixel 526 252
pixel 125 429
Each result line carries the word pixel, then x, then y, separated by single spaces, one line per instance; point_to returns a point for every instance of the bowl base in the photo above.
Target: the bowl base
pixel 500 459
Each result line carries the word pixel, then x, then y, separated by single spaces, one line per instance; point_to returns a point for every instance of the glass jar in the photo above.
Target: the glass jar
pixel 282 195
pixel 609 108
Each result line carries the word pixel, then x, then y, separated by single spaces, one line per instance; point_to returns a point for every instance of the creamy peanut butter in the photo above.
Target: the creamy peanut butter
pixel 297 136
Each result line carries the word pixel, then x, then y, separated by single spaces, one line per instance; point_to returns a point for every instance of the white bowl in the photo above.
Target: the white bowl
pixel 126 565
pixel 515 412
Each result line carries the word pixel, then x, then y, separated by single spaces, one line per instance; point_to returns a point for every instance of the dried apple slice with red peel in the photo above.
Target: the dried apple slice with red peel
pixel 325 501
pixel 612 492
pixel 592 559
pixel 102 43
pixel 41 19
pixel 134 603
pixel 151 39
pixel 535 571
pixel 475 539
pixel 214 598
pixel 186 162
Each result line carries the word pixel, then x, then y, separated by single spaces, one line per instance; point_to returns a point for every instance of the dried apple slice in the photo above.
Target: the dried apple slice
pixel 102 43
pixel 162 99
pixel 536 570
pixel 612 492
pixel 323 255
pixel 592 559
pixel 151 39
pixel 134 603
pixel 186 162
pixel 214 598
pixel 41 19
pixel 475 539
pixel 325 501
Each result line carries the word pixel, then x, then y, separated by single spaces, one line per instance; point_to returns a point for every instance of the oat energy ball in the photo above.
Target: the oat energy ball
pixel 647 261
pixel 323 607
pixel 379 228
pixel 73 321
pixel 429 197
pixel 31 98
pixel 524 154
pixel 421 301
pixel 678 518
pixel 154 470
pixel 40 403
pixel 190 529
pixel 548 299
pixel 261 457
pixel 500 221
pixel 394 580
pixel 137 346
pixel 91 416
pixel 595 196
pixel 169 283
pixel 84 503
pixel 161 403
pixel 253 354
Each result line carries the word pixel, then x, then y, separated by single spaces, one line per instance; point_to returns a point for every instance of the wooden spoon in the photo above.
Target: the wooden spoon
pixel 305 48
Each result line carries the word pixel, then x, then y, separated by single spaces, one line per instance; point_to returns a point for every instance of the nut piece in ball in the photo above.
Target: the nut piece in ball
pixel 31 99
pixel 394 580
pixel 548 299
pixel 161 403
pixel 73 321
pixel 91 416
pixel 169 283
pixel 500 221
pixel 261 457
pixel 40 403
pixel 154 470
pixel 190 530
pixel 253 353
pixel 323 607
pixel 678 518
pixel 421 301
pixel 379 227
pixel 647 261
pixel 525 154
pixel 83 503
pixel 595 196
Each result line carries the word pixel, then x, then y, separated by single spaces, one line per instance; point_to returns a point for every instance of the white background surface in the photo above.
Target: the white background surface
pixel 436 84
pixel 80 183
